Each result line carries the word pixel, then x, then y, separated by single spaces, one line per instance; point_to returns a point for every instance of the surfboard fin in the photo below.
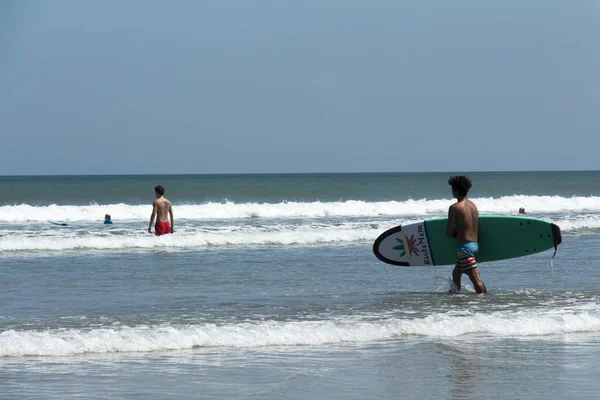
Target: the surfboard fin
pixel 556 236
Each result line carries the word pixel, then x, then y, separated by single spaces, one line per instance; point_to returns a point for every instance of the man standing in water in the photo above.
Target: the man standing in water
pixel 162 210
pixel 463 225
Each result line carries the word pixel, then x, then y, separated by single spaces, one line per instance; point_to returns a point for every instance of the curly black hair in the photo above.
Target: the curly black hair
pixel 160 190
pixel 461 184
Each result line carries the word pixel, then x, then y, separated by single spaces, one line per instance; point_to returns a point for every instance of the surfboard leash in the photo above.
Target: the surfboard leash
pixel 557 238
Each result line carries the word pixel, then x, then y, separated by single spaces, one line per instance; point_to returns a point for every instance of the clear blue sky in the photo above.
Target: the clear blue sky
pixel 223 86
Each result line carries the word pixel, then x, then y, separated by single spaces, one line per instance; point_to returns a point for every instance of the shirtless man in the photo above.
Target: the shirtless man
pixel 162 210
pixel 463 225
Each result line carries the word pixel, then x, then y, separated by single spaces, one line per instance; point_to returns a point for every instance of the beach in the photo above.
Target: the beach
pixel 269 289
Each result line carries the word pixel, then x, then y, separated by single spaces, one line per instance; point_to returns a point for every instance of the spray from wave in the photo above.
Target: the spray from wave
pixel 535 205
pixel 537 324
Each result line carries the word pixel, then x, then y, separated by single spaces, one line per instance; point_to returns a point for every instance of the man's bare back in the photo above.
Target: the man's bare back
pixel 465 217
pixel 162 210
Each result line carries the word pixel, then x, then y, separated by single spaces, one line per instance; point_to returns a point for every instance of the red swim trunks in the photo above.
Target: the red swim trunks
pixel 162 228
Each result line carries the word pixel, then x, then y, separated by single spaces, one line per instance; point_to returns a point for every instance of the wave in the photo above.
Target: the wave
pixel 579 224
pixel 192 236
pixel 65 240
pixel 536 324
pixel 535 205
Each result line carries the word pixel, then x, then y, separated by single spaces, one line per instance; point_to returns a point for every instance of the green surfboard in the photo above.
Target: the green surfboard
pixel 500 237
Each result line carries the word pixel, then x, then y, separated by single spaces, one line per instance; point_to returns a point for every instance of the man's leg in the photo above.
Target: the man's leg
pixel 456 278
pixel 473 274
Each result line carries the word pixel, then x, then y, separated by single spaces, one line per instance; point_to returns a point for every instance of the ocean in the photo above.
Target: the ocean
pixel 269 289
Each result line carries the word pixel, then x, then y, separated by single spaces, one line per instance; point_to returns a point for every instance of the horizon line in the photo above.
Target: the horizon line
pixel 299 173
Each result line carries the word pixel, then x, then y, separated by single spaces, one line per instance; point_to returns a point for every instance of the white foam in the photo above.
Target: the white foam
pixel 229 210
pixel 579 223
pixel 531 324
pixel 199 235
pixel 64 239
pixel 254 224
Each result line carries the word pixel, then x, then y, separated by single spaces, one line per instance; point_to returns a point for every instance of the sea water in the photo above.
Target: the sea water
pixel 269 289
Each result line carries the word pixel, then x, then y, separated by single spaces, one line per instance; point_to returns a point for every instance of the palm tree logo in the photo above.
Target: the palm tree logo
pixel 412 246
pixel 400 247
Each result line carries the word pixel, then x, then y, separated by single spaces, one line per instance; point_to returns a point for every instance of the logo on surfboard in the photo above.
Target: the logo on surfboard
pixel 406 246
pixel 400 247
pixel 411 243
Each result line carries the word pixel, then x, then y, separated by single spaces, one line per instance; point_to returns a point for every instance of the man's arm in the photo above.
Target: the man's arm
pixel 451 227
pixel 152 216
pixel 171 215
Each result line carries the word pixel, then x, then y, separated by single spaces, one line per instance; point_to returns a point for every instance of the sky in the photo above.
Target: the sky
pixel 272 86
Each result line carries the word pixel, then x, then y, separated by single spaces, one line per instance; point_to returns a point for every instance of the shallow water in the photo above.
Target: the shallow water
pixel 281 299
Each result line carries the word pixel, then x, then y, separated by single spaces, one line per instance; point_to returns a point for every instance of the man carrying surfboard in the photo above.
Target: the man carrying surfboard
pixel 463 225
pixel 162 210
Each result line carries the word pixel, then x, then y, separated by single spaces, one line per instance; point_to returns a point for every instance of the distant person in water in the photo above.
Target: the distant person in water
pixel 463 225
pixel 522 211
pixel 162 210
pixel 107 219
